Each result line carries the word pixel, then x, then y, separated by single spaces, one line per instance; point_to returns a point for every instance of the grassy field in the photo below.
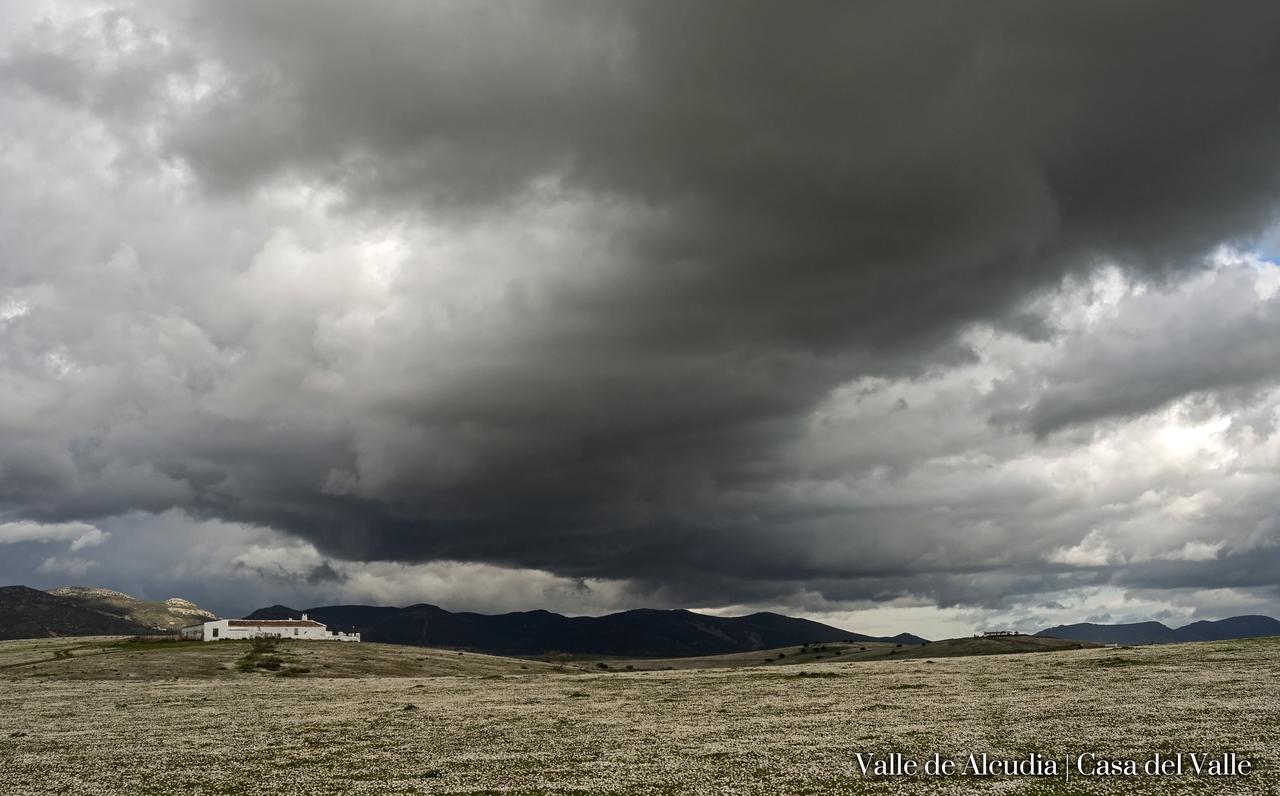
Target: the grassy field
pixel 102 716
pixel 114 658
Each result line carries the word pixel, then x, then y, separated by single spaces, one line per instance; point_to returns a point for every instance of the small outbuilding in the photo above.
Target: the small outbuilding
pixel 303 629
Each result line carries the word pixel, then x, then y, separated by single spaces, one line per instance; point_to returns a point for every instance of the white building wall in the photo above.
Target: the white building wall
pixel 222 630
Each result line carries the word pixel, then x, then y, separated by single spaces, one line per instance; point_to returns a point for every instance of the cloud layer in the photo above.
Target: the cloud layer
pixel 715 305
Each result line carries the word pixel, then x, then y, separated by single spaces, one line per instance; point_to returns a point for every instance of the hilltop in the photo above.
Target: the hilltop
pixel 170 614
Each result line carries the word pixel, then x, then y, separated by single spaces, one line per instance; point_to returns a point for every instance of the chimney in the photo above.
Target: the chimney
pixel 304 617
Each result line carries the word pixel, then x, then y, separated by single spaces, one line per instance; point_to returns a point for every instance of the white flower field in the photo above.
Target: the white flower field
pixel 499 728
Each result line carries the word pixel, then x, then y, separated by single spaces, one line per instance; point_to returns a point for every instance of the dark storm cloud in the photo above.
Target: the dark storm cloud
pixel 854 177
pixel 763 205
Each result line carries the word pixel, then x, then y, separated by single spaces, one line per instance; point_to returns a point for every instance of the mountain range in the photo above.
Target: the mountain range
pixel 82 611
pixel 640 633
pixel 1157 633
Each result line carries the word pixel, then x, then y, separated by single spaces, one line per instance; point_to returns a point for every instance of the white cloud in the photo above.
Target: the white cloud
pixel 1092 551
pixel 79 534
pixel 1194 551
pixel 12 309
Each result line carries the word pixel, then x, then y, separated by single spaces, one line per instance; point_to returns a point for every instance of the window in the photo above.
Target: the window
pixel 295 631
pixel 215 632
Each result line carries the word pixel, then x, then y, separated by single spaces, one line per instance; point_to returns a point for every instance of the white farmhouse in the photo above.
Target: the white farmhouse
pixel 303 629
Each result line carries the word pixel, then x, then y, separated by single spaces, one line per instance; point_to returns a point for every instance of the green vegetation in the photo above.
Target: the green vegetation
pixel 261 656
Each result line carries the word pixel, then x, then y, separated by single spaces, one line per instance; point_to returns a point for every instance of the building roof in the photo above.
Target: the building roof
pixel 273 623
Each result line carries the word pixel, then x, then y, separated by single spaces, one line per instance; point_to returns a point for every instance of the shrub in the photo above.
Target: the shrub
pixel 263 644
pixel 261 656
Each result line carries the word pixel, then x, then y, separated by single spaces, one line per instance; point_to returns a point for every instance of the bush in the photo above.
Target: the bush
pixel 261 655
pixel 263 644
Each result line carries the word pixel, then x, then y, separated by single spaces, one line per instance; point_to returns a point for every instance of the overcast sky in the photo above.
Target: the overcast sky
pixel 927 317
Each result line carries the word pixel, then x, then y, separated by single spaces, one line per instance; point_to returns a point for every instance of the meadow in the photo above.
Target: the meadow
pixel 102 716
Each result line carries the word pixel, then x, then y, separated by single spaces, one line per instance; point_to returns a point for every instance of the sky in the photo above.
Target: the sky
pixel 899 316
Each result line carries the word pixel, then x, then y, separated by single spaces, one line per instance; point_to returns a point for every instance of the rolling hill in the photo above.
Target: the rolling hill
pixel 159 658
pixel 638 633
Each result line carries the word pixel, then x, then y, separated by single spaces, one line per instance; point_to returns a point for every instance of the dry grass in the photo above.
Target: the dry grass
pixel 752 730
pixel 114 658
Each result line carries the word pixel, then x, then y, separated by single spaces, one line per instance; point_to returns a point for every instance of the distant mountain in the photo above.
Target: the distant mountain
pixel 83 611
pixel 1136 633
pixel 1252 626
pixel 169 614
pixel 638 633
pixel 29 613
pixel 1157 633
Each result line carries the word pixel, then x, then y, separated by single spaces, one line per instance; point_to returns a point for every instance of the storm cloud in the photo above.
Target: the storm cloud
pixel 711 304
